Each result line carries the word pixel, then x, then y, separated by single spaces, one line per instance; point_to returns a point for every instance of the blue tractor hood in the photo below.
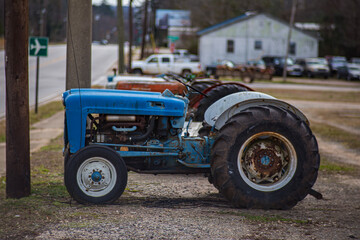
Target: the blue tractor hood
pixel 79 103
pixel 124 102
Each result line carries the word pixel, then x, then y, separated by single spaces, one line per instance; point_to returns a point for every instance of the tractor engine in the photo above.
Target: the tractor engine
pixel 126 129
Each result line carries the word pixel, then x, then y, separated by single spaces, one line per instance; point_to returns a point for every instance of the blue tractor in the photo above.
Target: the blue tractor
pixel 258 151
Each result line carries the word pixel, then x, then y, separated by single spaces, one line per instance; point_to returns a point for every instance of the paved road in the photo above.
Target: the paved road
pixel 53 72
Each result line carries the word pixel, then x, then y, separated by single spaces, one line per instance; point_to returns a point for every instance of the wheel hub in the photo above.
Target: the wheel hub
pixel 96 176
pixel 266 161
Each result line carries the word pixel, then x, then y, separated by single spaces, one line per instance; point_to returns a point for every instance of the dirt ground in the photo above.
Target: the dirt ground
pixel 188 207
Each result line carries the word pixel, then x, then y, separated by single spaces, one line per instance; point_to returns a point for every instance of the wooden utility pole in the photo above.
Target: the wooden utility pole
pixel 143 43
pixel 78 51
pixel 293 11
pixel 130 35
pixel 17 99
pixel 121 38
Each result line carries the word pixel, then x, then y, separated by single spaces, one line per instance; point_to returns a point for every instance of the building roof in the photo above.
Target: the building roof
pixel 244 17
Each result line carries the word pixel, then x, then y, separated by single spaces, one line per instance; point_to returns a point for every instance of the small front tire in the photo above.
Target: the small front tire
pixel 96 175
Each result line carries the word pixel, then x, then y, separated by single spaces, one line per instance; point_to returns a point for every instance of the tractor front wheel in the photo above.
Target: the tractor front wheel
pixel 96 174
pixel 265 157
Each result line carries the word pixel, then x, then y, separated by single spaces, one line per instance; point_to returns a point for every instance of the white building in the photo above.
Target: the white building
pixel 251 36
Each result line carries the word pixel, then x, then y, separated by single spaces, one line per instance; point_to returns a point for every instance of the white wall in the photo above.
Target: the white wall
pixel 272 33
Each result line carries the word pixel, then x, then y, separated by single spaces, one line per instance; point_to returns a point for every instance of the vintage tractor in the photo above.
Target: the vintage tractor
pixel 259 152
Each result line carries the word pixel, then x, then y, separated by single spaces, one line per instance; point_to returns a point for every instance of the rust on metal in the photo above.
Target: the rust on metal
pixel 174 87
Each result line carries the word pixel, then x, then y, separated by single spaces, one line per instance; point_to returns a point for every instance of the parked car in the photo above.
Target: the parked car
pixel 212 68
pixel 163 63
pixel 355 60
pixel 260 69
pixel 314 67
pixel 278 63
pixel 349 72
pixel 185 55
pixel 257 63
pixel 336 62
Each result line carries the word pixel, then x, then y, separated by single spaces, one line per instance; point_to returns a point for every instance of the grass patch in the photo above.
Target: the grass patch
pixel 2 43
pixel 57 147
pixel 326 165
pixel 256 218
pixel 26 217
pixel 2 131
pixel 325 96
pixel 44 111
pixel 349 140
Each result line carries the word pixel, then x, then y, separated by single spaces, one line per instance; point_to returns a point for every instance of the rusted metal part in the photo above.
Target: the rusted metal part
pixel 173 86
pixel 267 159
pixel 264 159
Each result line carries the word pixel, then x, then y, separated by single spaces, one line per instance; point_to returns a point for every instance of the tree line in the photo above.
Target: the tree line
pixel 339 20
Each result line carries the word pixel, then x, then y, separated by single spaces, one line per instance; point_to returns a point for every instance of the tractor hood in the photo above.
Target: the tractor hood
pixel 123 102
pixel 79 103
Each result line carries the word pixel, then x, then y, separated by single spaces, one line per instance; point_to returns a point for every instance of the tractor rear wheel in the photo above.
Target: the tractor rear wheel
pixel 96 174
pixel 215 94
pixel 265 157
pixel 200 86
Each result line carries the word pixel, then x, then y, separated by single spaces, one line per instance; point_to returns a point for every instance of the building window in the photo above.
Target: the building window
pixel 258 45
pixel 292 49
pixel 230 46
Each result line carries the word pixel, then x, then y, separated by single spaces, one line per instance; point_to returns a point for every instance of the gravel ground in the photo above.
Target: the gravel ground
pixel 188 207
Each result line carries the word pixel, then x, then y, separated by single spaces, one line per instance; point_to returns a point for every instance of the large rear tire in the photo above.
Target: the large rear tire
pixel 265 157
pixel 215 94
pixel 200 86
pixel 96 174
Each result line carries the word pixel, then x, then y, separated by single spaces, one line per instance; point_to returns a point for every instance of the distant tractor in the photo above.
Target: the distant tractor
pixel 258 151
pixel 208 90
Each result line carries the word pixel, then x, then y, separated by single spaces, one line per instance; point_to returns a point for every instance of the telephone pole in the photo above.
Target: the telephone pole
pixel 17 99
pixel 144 29
pixel 121 38
pixel 293 11
pixel 130 35
pixel 78 50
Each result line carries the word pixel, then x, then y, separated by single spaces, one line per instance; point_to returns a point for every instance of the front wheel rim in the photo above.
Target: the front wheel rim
pixel 96 177
pixel 267 161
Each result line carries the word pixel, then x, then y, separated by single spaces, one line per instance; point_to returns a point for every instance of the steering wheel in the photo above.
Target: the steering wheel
pixel 180 80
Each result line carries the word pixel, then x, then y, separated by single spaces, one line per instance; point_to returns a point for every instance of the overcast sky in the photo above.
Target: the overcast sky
pixel 114 2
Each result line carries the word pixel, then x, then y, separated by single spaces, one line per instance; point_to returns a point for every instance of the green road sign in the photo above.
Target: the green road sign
pixel 173 38
pixel 38 46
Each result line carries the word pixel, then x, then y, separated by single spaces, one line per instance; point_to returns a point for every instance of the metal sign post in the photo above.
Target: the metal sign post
pixel 38 47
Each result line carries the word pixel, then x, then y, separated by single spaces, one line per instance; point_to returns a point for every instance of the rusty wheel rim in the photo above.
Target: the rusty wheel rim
pixel 267 161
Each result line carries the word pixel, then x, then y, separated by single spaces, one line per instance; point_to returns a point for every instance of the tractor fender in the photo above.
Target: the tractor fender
pixel 223 109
